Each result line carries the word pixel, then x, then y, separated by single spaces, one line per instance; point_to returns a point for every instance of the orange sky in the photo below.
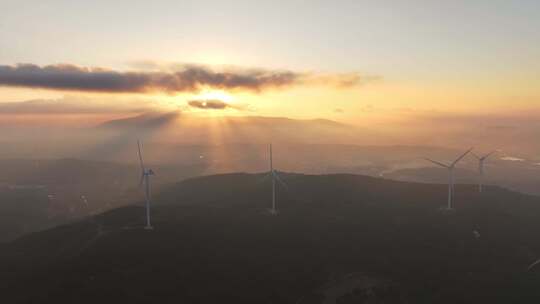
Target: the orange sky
pixel 457 57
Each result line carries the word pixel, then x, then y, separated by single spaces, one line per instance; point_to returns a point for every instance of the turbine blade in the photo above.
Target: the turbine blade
pixel 459 158
pixel 140 155
pixel 142 180
pixel 281 181
pixel 437 163
pixel 488 155
pixel 533 264
pixel 474 154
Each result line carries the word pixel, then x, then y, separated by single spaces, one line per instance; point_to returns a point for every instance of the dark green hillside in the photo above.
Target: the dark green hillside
pixel 338 239
pixel 23 211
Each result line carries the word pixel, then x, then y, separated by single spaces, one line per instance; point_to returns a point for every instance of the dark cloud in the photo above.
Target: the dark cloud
pixel 189 79
pixel 185 78
pixel 213 104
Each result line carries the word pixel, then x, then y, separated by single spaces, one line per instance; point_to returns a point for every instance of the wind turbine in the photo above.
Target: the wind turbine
pixel 145 179
pixel 275 177
pixel 450 176
pixel 481 169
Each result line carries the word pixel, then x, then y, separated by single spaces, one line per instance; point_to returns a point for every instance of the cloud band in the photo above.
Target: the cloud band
pixel 188 78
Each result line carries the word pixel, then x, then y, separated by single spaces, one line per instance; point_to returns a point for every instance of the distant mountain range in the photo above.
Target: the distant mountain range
pixel 184 128
pixel 147 120
pixel 158 119
pixel 338 239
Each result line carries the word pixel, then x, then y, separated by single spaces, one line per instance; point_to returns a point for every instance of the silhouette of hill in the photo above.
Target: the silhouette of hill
pixel 142 121
pixel 338 239
pixel 158 119
pixel 185 128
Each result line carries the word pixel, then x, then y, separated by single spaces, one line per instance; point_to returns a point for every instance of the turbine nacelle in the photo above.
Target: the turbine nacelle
pixel 481 160
pixel 453 164
pixel 450 168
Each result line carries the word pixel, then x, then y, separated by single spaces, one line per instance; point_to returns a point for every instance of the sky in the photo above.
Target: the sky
pixel 342 60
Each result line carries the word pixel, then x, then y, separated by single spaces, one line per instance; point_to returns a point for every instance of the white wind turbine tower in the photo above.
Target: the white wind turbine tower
pixel 481 161
pixel 275 177
pixel 450 176
pixel 145 179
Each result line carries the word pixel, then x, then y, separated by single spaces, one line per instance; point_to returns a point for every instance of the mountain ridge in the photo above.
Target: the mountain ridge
pixel 214 241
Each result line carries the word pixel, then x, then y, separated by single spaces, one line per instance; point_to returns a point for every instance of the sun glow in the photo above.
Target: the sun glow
pixel 213 95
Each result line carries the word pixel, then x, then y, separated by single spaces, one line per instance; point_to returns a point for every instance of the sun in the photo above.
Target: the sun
pixel 214 95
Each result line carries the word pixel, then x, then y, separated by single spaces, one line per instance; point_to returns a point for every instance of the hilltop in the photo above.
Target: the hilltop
pixel 338 239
